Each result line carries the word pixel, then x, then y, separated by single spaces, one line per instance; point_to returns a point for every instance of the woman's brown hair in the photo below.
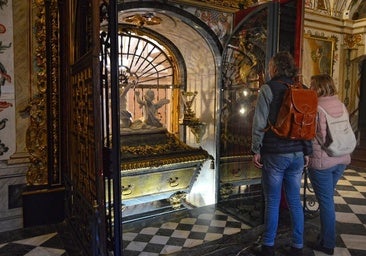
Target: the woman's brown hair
pixel 323 85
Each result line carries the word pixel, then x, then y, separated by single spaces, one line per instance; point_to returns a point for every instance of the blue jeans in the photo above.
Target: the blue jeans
pixel 282 170
pixel 324 183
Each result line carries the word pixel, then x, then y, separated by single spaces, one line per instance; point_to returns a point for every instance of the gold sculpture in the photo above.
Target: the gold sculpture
pixel 197 127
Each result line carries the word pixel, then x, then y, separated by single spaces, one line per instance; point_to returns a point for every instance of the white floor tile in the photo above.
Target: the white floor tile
pixel 218 223
pixel 359 209
pixel 136 246
pixel 36 240
pixel 360 188
pixel 180 233
pixel 212 236
pixel 149 231
pixel 351 194
pixel 200 228
pixel 339 200
pixel 354 241
pixel 168 249
pixel 192 242
pixel 159 239
pixel 129 236
pixel 188 221
pixel 344 183
pixel 346 217
pixel 44 251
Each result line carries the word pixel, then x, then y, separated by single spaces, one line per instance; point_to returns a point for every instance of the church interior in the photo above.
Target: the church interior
pixel 125 125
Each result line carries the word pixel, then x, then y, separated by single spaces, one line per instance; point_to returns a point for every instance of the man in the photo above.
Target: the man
pixel 281 160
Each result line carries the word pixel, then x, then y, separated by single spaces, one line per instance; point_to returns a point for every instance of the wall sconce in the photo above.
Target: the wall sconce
pixel 197 127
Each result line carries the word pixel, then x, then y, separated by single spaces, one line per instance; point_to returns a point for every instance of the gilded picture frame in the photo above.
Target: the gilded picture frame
pixel 318 56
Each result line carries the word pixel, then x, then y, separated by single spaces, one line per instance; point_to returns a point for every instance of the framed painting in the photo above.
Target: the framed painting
pixel 318 56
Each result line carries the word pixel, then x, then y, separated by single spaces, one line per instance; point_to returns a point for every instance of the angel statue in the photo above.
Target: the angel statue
pixel 150 108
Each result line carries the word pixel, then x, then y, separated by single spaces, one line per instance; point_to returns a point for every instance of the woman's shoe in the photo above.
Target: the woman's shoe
pixel 320 248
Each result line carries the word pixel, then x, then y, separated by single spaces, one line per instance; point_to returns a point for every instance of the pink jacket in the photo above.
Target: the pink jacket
pixel 320 160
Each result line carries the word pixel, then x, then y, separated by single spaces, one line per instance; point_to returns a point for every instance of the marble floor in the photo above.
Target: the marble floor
pixel 49 240
pixel 214 230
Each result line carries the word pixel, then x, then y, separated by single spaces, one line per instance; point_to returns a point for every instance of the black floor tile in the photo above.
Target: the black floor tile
pixel 13 249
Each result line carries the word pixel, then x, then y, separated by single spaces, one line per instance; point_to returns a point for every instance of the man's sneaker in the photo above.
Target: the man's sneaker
pixel 292 251
pixel 264 250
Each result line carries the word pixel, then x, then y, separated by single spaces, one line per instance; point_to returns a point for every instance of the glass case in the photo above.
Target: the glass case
pixel 243 74
pixel 261 32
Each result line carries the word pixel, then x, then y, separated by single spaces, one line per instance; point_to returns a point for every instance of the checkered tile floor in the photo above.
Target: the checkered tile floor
pixel 350 205
pixel 350 199
pixel 203 225
pixel 44 245
pixel 189 229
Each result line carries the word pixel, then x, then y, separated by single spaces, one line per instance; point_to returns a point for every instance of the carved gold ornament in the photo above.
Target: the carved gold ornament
pixel 223 5
pixel 36 136
pixel 352 40
pixel 38 130
pixel 143 19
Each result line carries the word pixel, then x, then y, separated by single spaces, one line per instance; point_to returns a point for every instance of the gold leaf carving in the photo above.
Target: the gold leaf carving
pixel 38 130
pixel 352 40
pixel 36 137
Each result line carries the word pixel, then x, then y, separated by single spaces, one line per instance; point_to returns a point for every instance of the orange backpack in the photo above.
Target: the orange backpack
pixel 296 118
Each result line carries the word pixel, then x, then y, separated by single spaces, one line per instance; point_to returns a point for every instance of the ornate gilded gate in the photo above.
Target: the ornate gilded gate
pixel 83 136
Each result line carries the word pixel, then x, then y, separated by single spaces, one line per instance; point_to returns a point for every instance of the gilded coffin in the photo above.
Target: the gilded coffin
pixel 156 165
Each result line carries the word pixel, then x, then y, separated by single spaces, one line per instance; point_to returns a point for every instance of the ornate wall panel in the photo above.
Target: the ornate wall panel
pixel 42 138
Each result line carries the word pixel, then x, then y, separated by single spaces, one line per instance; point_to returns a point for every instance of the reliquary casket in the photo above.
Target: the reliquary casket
pixel 156 165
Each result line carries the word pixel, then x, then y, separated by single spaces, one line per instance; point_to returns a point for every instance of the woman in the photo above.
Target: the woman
pixel 324 170
pixel 281 160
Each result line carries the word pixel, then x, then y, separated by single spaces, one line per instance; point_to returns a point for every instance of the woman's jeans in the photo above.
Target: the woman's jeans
pixel 282 170
pixel 324 183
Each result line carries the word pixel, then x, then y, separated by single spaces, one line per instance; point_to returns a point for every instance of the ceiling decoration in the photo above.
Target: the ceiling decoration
pixel 140 20
pixel 223 5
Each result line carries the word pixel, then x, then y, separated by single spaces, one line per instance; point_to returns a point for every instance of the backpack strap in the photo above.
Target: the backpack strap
pixel 269 124
pixel 320 140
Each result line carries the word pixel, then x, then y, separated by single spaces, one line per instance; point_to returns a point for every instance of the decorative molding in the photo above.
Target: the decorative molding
pixel 36 136
pixel 43 107
pixel 53 90
pixel 352 41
